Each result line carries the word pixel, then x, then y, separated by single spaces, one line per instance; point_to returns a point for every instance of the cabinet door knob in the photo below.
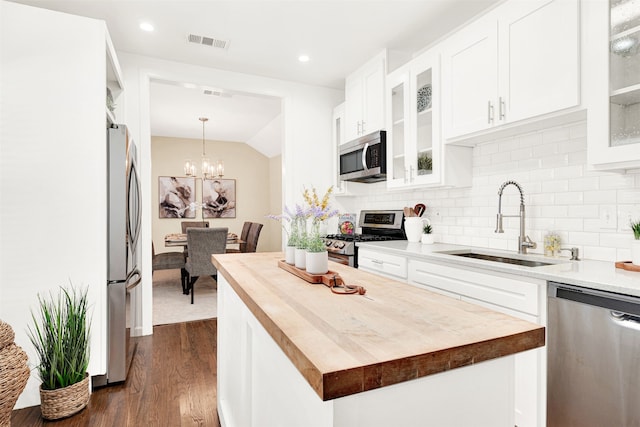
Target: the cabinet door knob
pixel 363 123
pixel 489 112
pixel 359 127
pixel 501 108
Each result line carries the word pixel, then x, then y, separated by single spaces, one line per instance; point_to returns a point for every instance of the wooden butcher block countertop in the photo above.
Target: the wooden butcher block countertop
pixel 347 344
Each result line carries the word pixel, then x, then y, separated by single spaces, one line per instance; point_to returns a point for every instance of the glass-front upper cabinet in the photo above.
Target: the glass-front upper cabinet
pixel 614 53
pixel 398 131
pixel 413 138
pixel 416 153
pixel 624 66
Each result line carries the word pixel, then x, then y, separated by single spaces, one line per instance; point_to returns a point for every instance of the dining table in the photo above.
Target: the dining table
pixel 180 239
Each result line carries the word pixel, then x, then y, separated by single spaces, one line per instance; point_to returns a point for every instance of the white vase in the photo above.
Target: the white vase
pixel 301 258
pixel 317 262
pixel 413 228
pixel 290 255
pixel 427 239
pixel 635 252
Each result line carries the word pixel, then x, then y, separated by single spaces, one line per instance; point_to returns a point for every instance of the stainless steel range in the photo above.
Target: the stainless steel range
pixel 377 225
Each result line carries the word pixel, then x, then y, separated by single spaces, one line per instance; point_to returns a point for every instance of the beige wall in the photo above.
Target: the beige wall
pixel 255 188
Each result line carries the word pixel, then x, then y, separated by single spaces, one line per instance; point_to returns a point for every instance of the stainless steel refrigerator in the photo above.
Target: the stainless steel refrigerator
pixel 123 228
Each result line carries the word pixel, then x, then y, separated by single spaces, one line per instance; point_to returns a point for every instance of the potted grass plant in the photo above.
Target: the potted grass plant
pixel 60 335
pixel 427 230
pixel 635 245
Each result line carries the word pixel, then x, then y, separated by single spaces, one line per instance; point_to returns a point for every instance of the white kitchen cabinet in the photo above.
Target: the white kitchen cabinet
pixel 114 84
pixel 517 296
pixel 364 99
pixel 613 79
pixel 415 152
pixel 470 78
pixel 520 61
pixel 337 129
pixel 389 265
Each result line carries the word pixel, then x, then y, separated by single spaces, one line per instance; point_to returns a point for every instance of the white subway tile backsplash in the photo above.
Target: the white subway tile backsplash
pixel 616 240
pixel 584 184
pixel 529 164
pixel 577 130
pixel 522 153
pixel 554 211
pixel 541 199
pixel 582 238
pixel 600 253
pixel 583 211
pixel 600 197
pixel 616 181
pixel 503 157
pixel 569 172
pixel 555 161
pixel 561 194
pixel 572 145
pixel 555 185
pixel 629 196
pixel 569 198
pixel 577 158
pixel 556 134
pixel 530 140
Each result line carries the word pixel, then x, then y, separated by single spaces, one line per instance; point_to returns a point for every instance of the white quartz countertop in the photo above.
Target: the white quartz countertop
pixel 599 275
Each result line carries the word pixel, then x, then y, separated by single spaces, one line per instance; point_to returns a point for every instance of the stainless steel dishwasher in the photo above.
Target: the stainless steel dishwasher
pixel 593 347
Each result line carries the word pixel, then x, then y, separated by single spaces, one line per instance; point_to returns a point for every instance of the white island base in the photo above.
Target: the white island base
pixel 259 386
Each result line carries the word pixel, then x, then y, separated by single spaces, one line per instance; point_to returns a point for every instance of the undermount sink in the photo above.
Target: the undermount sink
pixel 499 258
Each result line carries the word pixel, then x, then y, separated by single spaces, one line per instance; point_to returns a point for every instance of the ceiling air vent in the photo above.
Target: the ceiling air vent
pixel 208 41
pixel 217 93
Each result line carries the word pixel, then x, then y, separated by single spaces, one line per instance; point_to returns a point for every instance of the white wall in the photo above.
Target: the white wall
pixel 306 112
pixel 52 169
pixel 561 194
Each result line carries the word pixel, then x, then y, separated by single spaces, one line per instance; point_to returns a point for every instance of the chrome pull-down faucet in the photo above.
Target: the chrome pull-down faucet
pixel 524 242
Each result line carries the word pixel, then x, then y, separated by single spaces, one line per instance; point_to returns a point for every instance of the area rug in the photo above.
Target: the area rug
pixel 171 306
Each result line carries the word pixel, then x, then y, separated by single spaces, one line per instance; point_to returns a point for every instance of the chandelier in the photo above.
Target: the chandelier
pixel 209 170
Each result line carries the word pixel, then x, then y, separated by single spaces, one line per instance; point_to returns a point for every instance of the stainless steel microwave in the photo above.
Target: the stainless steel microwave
pixel 364 159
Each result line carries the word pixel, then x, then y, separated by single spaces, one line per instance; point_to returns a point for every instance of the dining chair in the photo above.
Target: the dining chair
pixel 197 224
pixel 201 243
pixel 243 236
pixel 169 261
pixel 252 239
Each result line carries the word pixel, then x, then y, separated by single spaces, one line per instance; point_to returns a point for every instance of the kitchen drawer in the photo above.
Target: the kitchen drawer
pixel 437 290
pixel 378 262
pixel 512 292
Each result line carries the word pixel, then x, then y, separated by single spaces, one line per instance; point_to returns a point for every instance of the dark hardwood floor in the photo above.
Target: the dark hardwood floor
pixel 172 382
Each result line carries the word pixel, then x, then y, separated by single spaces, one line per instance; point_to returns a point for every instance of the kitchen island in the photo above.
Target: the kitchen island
pixel 293 353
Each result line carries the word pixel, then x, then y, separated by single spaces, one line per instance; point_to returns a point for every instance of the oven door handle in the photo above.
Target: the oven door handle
pixel 364 156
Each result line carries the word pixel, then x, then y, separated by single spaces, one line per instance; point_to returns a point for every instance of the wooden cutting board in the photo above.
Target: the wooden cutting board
pixel 627 265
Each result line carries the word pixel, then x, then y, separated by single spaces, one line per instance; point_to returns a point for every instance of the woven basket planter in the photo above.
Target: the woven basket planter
pixel 64 402
pixel 14 373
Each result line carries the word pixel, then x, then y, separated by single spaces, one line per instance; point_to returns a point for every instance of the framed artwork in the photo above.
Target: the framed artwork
pixel 176 196
pixel 219 198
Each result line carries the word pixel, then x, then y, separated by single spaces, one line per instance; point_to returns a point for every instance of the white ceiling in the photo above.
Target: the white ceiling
pixel 265 38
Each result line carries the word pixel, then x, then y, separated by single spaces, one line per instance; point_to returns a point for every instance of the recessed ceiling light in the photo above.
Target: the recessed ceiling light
pixel 303 58
pixel 145 26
